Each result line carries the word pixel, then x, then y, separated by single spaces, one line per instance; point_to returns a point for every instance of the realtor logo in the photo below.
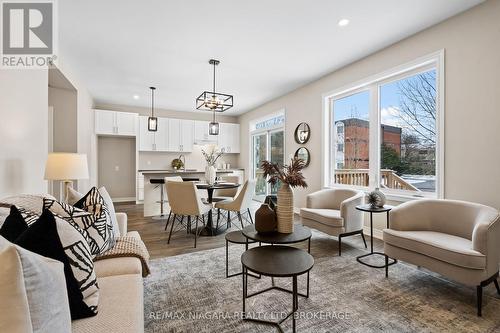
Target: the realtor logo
pixel 27 34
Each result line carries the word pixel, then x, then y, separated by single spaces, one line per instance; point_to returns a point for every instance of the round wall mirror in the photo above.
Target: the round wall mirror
pixel 302 133
pixel 303 154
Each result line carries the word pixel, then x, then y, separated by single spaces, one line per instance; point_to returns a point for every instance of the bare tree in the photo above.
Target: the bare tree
pixel 418 105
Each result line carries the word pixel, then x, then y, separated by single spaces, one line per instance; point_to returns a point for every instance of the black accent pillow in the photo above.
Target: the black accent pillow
pixel 14 225
pixel 61 240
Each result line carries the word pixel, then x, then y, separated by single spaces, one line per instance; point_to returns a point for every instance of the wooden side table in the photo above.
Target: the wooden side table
pixel 370 209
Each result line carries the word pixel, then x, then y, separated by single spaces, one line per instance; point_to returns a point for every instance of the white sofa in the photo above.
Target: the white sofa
pixel 121 305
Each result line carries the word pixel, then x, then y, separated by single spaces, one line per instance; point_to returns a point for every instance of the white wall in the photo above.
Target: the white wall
pixel 85 138
pixel 64 102
pixel 472 98
pixel 23 131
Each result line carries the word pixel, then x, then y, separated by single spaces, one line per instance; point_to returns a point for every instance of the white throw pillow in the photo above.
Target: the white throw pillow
pixel 109 203
pixel 33 295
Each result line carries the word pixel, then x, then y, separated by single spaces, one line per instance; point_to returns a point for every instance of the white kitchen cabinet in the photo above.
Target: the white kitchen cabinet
pixel 180 135
pixel 115 123
pixel 161 136
pixel 187 135
pixel 174 134
pixel 235 139
pixel 153 141
pixel 104 122
pixel 146 138
pixel 229 138
pixel 224 137
pixel 201 135
pixel 126 123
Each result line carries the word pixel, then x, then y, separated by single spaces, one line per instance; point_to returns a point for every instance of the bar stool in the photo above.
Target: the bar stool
pixel 236 237
pixel 160 182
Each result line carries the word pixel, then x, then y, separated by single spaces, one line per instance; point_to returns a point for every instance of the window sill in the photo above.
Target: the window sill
pixel 391 196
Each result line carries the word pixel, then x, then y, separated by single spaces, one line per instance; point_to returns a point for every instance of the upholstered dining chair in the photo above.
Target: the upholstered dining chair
pixel 185 202
pixel 457 239
pixel 166 180
pixel 227 193
pixel 240 205
pixel 333 211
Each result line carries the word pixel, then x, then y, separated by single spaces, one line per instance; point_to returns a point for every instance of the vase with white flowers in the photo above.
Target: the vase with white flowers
pixel 211 155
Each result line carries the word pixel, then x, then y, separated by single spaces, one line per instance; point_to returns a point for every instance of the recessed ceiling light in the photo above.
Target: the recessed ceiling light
pixel 136 96
pixel 343 22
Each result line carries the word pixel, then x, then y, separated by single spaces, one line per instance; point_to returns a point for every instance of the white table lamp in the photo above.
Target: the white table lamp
pixel 66 167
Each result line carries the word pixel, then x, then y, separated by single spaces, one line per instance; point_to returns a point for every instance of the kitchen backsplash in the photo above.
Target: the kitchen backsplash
pixel 194 160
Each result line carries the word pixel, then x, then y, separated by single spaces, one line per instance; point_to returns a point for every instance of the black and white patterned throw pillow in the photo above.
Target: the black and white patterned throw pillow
pixel 102 228
pixel 53 237
pixel 83 219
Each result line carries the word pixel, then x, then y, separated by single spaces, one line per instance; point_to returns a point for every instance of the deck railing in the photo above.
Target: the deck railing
pixel 361 177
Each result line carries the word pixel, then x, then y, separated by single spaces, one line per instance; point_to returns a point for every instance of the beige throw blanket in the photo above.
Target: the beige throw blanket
pixel 127 246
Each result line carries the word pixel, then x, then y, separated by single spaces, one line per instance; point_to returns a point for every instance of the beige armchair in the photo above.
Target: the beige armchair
pixel 457 239
pixel 333 212
pixel 241 204
pixel 186 202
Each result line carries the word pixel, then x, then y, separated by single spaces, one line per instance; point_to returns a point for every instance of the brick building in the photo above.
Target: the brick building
pixel 352 142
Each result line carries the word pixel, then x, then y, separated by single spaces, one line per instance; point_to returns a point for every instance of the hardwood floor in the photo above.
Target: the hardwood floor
pixel 155 237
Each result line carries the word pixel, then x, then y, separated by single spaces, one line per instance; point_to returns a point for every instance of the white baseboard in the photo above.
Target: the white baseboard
pixel 123 199
pixel 377 233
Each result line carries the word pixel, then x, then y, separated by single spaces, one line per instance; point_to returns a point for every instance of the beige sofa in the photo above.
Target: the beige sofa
pixel 121 306
pixel 457 239
pixel 333 211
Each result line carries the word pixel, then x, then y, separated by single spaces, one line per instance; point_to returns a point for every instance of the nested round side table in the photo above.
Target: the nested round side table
pixel 236 237
pixel 300 234
pixel 275 261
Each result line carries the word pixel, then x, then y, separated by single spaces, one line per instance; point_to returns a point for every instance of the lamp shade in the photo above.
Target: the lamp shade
pixel 66 166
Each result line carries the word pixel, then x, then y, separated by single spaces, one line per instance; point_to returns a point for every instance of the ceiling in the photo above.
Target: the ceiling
pixel 266 47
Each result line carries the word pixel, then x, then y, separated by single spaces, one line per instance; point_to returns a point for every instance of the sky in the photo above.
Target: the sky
pixel 357 106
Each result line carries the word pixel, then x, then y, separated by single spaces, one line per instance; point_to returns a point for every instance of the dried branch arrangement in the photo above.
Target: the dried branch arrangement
pixel 289 174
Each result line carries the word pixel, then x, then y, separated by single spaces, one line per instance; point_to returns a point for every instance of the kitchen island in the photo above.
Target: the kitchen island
pixel 152 191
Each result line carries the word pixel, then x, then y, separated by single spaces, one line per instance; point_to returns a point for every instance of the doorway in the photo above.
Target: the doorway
pixel 266 145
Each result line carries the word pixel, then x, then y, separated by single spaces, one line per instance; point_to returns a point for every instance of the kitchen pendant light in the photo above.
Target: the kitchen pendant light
pixel 213 127
pixel 152 121
pixel 212 100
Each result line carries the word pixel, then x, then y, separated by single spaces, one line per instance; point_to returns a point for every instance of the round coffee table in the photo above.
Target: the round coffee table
pixel 299 234
pixel 275 261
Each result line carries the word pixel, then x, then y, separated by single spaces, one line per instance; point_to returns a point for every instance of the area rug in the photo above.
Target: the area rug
pixel 189 293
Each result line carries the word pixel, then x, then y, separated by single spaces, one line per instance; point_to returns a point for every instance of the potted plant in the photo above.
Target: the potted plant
pixel 211 156
pixel 177 164
pixel 289 176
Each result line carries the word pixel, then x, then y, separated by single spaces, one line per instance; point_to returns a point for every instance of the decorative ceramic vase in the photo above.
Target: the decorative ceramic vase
pixel 265 219
pixel 284 211
pixel 210 174
pixel 272 201
pixel 376 198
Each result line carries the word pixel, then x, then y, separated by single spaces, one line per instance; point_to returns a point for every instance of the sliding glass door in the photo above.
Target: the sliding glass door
pixel 266 145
